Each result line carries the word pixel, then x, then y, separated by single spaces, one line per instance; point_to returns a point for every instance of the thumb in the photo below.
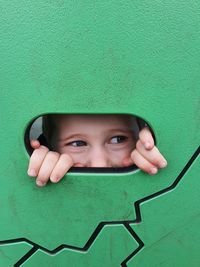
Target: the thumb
pixel 146 138
pixel 35 144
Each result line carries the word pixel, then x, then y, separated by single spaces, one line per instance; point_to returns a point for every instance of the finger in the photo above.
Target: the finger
pixel 47 167
pixel 127 162
pixel 153 156
pixel 62 166
pixel 142 163
pixel 145 136
pixel 36 160
pixel 35 144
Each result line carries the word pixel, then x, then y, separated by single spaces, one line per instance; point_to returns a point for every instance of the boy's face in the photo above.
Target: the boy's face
pixel 95 140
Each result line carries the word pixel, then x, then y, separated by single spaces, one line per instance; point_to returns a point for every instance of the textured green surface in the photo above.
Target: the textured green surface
pixel 137 57
pixel 174 236
pixel 10 254
pixel 110 249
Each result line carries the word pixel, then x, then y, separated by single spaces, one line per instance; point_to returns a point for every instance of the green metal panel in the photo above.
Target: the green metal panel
pixel 135 57
pixel 174 237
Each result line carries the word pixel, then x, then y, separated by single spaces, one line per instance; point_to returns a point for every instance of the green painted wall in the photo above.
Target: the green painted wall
pixel 136 57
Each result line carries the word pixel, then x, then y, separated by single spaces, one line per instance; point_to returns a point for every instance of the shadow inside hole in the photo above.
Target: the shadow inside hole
pixel 34 131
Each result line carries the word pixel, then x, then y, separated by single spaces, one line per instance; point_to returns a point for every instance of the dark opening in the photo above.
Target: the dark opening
pixel 48 127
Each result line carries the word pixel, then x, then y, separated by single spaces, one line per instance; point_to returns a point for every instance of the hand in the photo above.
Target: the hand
pixel 47 165
pixel 146 155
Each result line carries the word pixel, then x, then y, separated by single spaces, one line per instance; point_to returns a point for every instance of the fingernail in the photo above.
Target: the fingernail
pixel 153 170
pixel 32 172
pixel 163 164
pixel 54 179
pixel 40 183
pixel 147 145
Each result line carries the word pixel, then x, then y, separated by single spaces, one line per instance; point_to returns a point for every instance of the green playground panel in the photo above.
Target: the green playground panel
pixel 174 237
pixel 102 57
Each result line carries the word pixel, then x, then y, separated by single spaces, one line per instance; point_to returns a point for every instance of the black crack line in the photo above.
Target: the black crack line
pixel 98 229
pixel 165 190
pixel 26 256
pixel 86 247
pixel 139 241
pixel 138 203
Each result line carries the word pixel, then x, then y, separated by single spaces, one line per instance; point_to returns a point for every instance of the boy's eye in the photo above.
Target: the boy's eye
pixel 77 143
pixel 118 139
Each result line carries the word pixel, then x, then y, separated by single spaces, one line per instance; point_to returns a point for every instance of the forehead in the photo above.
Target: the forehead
pixel 71 121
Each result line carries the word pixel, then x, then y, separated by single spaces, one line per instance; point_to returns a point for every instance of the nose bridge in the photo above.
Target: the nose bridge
pixel 98 157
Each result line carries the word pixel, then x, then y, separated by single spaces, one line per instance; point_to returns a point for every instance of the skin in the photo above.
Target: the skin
pixel 93 141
